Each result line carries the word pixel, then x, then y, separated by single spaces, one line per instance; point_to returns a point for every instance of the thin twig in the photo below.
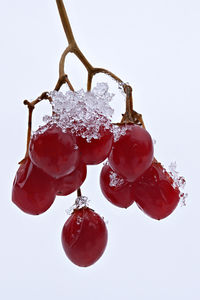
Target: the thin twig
pixel 73 48
pixel 79 193
pixel 65 21
pixel 62 80
pixel 31 106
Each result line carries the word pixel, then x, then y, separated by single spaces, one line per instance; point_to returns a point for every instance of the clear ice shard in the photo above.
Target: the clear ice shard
pixel 179 182
pixel 82 112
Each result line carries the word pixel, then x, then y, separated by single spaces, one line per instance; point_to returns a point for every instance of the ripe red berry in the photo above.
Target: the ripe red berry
pixel 54 151
pixel 33 190
pixel 132 154
pixel 84 237
pixel 155 192
pixel 115 188
pixel 70 183
pixel 96 150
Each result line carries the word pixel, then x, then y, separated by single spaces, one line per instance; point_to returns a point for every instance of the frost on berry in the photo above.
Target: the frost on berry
pixel 82 112
pixel 115 180
pixel 79 220
pixel 178 182
pixel 118 131
pixel 80 202
pixel 41 129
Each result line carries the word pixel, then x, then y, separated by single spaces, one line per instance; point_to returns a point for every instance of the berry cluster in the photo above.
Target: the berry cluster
pixel 132 174
pixel 56 164
pixel 80 133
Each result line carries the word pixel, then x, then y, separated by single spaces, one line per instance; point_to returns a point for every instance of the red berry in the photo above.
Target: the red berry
pixel 33 190
pixel 155 193
pixel 84 237
pixel 132 154
pixel 115 188
pixel 54 151
pixel 70 183
pixel 96 150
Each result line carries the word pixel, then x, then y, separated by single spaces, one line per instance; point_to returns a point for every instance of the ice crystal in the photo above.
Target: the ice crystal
pixel 115 180
pixel 183 197
pixel 121 86
pixel 118 131
pixel 82 112
pixel 79 220
pixel 178 182
pixel 41 129
pixel 80 202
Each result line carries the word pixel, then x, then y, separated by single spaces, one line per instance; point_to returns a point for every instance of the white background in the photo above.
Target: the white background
pixel 155 46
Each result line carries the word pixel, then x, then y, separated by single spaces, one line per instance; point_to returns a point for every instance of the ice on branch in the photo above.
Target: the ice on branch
pixel 82 112
pixel 115 180
pixel 80 202
pixel 121 86
pixel 178 181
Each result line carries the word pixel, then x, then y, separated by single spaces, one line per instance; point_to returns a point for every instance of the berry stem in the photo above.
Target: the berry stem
pixel 31 106
pixel 65 22
pixel 129 100
pixel 62 80
pixel 30 112
pixel 73 48
pixel 130 116
pixel 79 193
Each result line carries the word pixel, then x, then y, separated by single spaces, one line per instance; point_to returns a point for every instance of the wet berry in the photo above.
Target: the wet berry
pixel 70 183
pixel 84 237
pixel 115 188
pixel 132 154
pixel 155 192
pixel 96 150
pixel 54 151
pixel 33 190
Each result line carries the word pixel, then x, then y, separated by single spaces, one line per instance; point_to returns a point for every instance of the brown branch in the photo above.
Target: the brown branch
pixel 104 71
pixel 130 116
pixel 30 112
pixel 65 22
pixel 62 61
pixel 62 80
pixel 31 106
pixel 73 48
